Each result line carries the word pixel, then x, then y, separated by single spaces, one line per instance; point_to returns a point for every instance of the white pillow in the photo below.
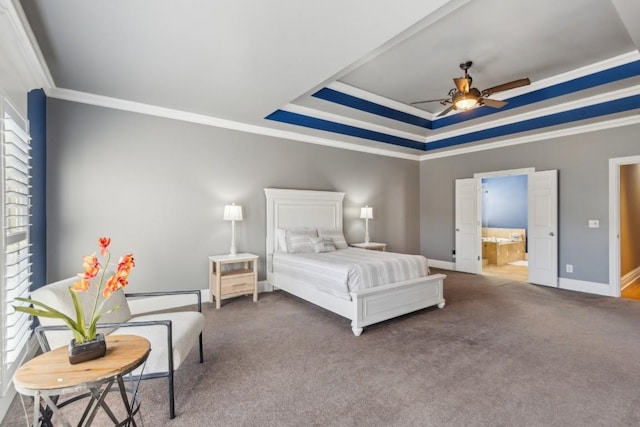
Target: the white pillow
pixel 322 244
pixel 299 240
pixel 334 234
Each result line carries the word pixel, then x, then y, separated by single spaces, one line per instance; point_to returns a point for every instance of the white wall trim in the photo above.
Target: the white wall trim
pixel 151 110
pixel 575 130
pixel 540 112
pixel 630 277
pixel 27 44
pixel 136 107
pixel 583 286
pixel 445 265
pixel 614 220
pixel 508 172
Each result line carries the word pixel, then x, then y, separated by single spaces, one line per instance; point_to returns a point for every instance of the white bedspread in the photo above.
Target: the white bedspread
pixel 347 270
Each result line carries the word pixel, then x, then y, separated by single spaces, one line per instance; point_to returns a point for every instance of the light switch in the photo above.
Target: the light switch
pixel 594 223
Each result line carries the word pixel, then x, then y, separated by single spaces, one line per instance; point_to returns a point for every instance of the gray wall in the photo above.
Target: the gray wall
pixel 582 164
pixel 158 188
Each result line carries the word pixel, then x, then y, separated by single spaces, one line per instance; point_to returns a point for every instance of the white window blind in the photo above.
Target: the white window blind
pixel 16 246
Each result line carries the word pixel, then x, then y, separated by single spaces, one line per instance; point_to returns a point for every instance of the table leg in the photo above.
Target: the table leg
pixel 36 410
pixel 99 396
pixel 55 410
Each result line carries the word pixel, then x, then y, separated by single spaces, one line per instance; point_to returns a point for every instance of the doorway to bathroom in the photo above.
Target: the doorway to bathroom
pixel 505 227
pixel 624 218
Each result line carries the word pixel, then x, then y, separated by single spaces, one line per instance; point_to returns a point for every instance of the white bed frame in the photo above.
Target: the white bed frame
pixel 323 209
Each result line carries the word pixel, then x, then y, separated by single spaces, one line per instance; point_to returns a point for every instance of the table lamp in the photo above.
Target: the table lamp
pixel 233 213
pixel 366 213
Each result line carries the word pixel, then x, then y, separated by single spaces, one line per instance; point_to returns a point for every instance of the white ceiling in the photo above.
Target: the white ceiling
pixel 241 61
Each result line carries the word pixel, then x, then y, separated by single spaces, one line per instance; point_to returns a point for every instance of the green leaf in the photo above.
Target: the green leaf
pixel 82 327
pixel 47 312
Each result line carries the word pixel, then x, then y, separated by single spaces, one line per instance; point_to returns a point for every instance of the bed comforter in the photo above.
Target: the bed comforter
pixel 347 270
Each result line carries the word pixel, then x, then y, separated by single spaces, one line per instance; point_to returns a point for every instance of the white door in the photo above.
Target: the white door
pixel 468 227
pixel 543 227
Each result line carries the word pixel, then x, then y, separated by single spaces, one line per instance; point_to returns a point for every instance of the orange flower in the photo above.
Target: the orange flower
pixel 91 266
pixel 126 262
pixel 115 282
pixel 82 285
pixel 104 243
pixel 84 331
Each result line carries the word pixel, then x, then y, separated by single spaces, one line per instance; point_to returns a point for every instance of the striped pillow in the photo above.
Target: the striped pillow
pixel 335 235
pixel 322 244
pixel 299 240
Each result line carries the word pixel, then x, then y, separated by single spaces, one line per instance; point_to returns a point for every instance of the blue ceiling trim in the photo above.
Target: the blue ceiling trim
pixel 614 74
pixel 583 113
pixel 581 83
pixel 329 126
pixel 342 98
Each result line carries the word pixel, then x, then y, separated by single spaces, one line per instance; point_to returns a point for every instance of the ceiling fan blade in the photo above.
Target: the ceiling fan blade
pixel 494 103
pixel 462 84
pixel 506 86
pixel 429 100
pixel 446 111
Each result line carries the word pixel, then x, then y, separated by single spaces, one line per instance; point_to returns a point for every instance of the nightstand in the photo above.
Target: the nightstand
pixel 239 277
pixel 371 246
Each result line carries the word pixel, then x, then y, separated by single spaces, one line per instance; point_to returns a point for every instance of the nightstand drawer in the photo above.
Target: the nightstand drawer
pixel 237 284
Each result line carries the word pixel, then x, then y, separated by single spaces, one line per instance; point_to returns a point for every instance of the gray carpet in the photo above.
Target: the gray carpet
pixel 500 353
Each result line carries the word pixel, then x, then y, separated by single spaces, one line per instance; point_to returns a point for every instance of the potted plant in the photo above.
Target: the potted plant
pixel 87 343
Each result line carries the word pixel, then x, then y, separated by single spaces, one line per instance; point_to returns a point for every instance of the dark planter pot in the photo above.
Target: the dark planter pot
pixel 82 352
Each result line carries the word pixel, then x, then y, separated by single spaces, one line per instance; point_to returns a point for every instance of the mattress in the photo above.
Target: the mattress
pixel 346 270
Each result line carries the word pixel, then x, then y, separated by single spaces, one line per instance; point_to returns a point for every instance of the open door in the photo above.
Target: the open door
pixel 543 228
pixel 468 227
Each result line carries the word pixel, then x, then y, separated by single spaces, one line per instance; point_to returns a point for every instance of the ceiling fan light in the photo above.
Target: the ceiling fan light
pixel 465 101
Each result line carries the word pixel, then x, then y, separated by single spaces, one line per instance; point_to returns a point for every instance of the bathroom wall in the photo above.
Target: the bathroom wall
pixel 504 202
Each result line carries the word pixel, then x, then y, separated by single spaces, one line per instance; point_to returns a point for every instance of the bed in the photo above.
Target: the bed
pixel 364 304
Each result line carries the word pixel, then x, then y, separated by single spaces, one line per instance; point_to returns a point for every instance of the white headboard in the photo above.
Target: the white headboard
pixel 300 208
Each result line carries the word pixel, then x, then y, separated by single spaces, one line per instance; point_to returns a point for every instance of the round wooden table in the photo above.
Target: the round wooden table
pixel 51 374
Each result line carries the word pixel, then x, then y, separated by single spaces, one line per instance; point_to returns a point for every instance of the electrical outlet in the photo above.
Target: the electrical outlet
pixel 569 268
pixel 594 223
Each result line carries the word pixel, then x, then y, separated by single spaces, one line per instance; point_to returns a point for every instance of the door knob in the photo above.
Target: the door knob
pixel 551 233
pixel 457 229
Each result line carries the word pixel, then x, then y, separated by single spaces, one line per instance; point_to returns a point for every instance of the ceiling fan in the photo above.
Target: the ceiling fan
pixel 464 97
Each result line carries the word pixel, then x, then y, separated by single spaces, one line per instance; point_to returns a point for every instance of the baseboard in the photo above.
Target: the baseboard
pixel 165 302
pixel 582 286
pixel 629 278
pixel 445 265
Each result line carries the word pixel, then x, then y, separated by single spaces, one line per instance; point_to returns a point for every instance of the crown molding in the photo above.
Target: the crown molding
pixel 554 109
pixel 151 110
pixel 28 46
pixel 574 130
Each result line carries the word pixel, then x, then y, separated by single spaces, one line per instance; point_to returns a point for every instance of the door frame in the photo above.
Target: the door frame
pixel 494 174
pixel 614 221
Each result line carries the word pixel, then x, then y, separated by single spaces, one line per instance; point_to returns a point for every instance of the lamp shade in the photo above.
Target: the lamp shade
pixel 232 212
pixel 366 213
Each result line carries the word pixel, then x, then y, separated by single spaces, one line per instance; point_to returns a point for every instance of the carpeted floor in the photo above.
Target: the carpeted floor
pixel 500 353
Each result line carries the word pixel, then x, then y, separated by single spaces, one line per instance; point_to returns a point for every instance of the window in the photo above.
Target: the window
pixel 16 247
